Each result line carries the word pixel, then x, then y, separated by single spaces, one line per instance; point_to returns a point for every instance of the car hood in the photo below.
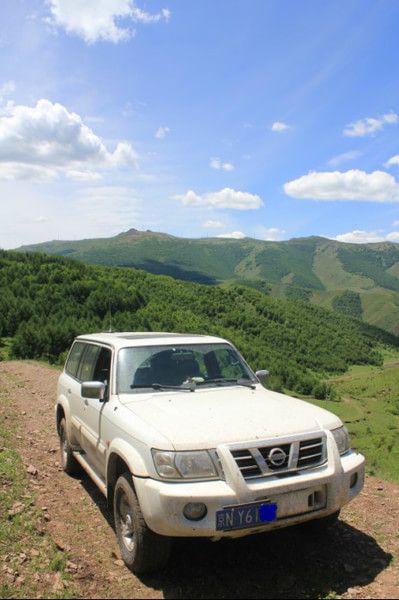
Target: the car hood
pixel 209 417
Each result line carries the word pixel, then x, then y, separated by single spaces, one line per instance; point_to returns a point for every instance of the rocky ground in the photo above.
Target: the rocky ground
pixel 357 559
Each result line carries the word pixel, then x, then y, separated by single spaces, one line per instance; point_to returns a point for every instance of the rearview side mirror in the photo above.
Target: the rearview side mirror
pixel 94 390
pixel 262 374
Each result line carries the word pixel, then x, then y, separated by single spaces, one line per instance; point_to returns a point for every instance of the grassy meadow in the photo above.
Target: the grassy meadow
pixel 369 405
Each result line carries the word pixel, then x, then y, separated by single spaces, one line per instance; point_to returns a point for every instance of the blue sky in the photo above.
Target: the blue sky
pixel 267 119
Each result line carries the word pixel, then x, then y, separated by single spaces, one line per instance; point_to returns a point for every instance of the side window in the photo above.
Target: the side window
pixel 102 369
pixel 73 362
pixel 88 362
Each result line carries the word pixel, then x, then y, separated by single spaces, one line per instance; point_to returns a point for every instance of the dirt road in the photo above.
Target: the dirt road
pixel 357 559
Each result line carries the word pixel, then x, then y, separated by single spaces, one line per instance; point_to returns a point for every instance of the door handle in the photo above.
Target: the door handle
pixel 69 391
pixel 86 402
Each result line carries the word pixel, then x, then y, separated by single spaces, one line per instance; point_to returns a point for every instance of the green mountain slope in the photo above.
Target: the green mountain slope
pixel 45 301
pixel 314 268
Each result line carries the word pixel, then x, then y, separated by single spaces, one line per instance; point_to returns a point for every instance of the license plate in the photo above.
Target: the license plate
pixel 241 517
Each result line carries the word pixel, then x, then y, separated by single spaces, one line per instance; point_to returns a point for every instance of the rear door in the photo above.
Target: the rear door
pixel 70 388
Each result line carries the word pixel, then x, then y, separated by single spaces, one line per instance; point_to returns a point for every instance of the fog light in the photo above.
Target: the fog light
pixel 195 511
pixel 353 480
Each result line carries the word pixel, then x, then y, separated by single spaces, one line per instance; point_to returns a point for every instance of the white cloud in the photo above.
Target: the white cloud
pixel 392 162
pixel 217 163
pixel 395 224
pixel 123 156
pixel 377 186
pixel 41 219
pixel 279 126
pixel 143 17
pixel 234 235
pixel 95 20
pixel 225 198
pixel 162 132
pixel 346 156
pixel 370 125
pixel 6 107
pixel 10 171
pixel 359 236
pixel 213 224
pixel 83 175
pixel 270 234
pixel 46 140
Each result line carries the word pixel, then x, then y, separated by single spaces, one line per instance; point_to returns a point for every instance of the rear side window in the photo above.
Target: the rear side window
pixel 73 361
pixel 88 362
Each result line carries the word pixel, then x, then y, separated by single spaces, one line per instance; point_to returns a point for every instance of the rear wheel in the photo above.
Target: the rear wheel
pixel 142 550
pixel 68 462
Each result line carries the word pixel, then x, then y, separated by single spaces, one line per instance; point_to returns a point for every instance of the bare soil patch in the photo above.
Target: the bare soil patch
pixel 357 559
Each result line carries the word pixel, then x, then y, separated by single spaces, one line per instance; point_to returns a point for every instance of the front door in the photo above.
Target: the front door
pixel 96 367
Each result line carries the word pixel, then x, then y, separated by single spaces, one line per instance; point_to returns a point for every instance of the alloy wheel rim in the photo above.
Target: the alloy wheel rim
pixel 126 523
pixel 64 447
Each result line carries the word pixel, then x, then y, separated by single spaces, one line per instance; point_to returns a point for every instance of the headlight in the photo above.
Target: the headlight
pixel 341 438
pixel 184 465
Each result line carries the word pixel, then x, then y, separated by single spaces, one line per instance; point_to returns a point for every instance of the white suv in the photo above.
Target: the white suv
pixel 183 440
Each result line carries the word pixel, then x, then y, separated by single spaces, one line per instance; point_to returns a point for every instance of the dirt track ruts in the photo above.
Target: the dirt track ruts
pixel 356 559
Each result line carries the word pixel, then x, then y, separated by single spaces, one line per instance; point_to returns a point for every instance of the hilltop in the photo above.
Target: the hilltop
pixel 361 280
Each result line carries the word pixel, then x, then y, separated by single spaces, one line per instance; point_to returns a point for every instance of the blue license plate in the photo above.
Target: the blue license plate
pixel 242 517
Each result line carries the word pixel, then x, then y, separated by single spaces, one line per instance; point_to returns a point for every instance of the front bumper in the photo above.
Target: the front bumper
pixel 300 497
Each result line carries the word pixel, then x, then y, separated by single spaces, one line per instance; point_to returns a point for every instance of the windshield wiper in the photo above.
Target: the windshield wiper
pixel 222 380
pixel 160 386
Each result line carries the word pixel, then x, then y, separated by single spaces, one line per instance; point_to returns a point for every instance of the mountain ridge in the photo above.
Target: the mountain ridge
pixel 361 280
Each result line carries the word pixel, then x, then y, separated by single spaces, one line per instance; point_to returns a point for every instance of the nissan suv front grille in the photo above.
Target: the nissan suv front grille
pixel 246 463
pixel 310 452
pixel 276 458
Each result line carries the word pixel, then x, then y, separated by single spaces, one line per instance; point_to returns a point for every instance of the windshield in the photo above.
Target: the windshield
pixel 140 368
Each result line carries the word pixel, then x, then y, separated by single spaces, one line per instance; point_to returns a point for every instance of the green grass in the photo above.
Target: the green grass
pixel 369 406
pixel 371 261
pixel 380 309
pixel 394 270
pixel 26 551
pixel 378 305
pixel 332 274
pixel 5 347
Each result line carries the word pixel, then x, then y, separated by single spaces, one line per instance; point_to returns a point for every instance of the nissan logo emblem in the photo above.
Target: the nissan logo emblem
pixel 277 457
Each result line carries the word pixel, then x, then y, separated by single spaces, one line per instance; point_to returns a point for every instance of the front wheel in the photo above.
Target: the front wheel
pixel 68 462
pixel 142 550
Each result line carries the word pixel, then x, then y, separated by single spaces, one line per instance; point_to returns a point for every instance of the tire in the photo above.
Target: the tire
pixel 68 462
pixel 142 550
pixel 319 526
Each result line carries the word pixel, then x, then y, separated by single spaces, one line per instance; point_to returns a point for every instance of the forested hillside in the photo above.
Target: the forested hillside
pixel 314 269
pixel 45 301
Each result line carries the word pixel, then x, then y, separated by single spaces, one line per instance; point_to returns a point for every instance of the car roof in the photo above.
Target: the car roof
pixel 148 338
